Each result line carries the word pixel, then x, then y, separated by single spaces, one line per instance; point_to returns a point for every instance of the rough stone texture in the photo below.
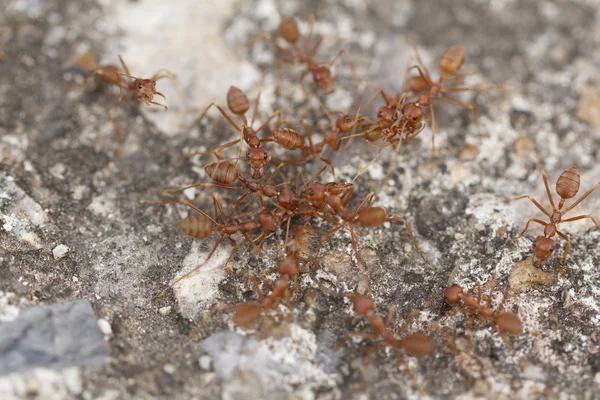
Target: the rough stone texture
pixel 60 183
pixel 57 336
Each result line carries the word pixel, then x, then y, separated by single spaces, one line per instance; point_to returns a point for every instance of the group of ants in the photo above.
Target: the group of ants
pixel 400 120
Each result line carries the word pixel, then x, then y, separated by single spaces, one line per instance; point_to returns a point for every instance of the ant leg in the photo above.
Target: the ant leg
pixel 424 73
pixel 538 205
pixel 215 151
pixel 223 112
pixel 158 104
pixel 564 257
pixel 347 60
pixel 359 263
pixel 114 124
pixel 302 77
pixel 363 169
pixel 275 114
pixel 412 238
pixel 350 335
pixel 172 77
pixel 432 113
pixel 366 201
pixel 176 281
pixel 184 202
pixel 233 250
pixel 468 106
pixel 527 226
pixel 407 322
pixel 582 217
pixel 499 88
pixel 390 315
pixel 347 196
pixel 213 310
pixel 315 48
pixel 124 65
pixel 545 179
pixel 596 186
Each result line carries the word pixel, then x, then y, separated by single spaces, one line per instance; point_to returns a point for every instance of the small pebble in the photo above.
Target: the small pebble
pixel 164 310
pixel 169 369
pixel 105 327
pixel 459 236
pixel 205 362
pixel 480 227
pixel 60 251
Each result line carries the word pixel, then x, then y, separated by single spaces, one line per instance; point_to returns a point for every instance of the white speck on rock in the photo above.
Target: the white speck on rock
pixel 205 362
pixel 60 251
pixel 164 310
pixel 105 327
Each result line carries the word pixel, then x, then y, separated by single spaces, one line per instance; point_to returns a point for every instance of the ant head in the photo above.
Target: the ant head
pixel 387 115
pixel 288 29
pixel 315 192
pixel 289 266
pixel 412 114
pixel 146 87
pixel 257 158
pixel 362 304
pixel 452 294
pixel 322 77
pixel 345 123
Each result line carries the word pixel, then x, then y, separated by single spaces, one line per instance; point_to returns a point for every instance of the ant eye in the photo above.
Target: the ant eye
pixel 248 155
pixel 348 120
pixel 396 117
pixel 380 114
pixel 415 117
pixel 265 156
pixel 139 85
pixel 153 83
pixel 311 193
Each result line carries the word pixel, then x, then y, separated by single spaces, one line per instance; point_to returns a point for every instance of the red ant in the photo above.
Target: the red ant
pixel 567 187
pixel 321 73
pixel 248 314
pixel 369 216
pixel 503 322
pixel 415 345
pixel 291 140
pixel 143 90
pixel 201 227
pixel 238 103
pixel 451 62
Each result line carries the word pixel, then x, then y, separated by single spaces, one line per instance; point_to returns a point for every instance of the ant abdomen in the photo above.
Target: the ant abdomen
pixel 222 172
pixel 288 29
pixel 509 323
pixel 246 315
pixel 197 226
pixel 567 184
pixel 417 344
pixel 372 217
pixel 452 60
pixel 237 101
pixel 288 138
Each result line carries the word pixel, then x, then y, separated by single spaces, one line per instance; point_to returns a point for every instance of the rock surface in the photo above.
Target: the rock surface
pixel 58 336
pixel 61 184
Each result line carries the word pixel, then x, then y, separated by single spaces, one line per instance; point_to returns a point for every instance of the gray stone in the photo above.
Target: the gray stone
pixel 57 336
